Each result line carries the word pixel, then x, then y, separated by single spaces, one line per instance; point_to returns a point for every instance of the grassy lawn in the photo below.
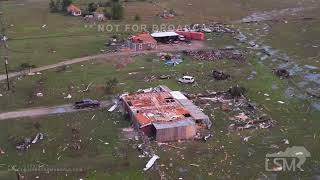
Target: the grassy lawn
pixel 64 37
pixel 94 156
pixel 225 10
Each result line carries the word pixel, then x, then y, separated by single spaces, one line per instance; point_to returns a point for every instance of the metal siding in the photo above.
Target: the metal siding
pixel 175 133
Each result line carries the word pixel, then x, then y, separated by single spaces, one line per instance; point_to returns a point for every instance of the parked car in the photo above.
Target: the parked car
pixel 186 79
pixel 87 103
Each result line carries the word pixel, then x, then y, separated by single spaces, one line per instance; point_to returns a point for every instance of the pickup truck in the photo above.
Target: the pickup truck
pixel 86 103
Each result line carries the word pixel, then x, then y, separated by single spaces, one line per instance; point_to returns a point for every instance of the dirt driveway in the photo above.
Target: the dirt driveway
pixel 42 111
pixel 161 48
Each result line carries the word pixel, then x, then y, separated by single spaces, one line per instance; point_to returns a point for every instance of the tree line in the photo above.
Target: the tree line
pixel 112 9
pixel 59 5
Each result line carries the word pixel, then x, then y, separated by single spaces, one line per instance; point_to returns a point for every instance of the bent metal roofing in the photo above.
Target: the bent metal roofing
pixel 155 107
pixel 143 38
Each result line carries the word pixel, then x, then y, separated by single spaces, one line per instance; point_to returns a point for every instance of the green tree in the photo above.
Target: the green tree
pixel 58 5
pixel 107 13
pixel 53 6
pixel 116 10
pixel 111 85
pixel 92 7
pixel 26 65
pixel 65 4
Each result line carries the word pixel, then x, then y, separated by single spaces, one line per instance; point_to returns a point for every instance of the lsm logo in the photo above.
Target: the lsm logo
pixel 290 160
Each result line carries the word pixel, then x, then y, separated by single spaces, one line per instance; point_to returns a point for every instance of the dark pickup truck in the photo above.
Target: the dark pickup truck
pixel 87 103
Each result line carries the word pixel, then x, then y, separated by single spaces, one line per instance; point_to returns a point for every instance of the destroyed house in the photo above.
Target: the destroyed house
pixel 143 41
pixel 165 115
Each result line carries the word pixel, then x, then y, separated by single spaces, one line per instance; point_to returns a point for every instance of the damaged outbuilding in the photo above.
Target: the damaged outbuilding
pixel 164 114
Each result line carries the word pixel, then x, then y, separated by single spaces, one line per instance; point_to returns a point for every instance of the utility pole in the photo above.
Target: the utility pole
pixel 6 66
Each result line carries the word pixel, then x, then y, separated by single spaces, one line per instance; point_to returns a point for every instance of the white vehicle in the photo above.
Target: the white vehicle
pixel 186 79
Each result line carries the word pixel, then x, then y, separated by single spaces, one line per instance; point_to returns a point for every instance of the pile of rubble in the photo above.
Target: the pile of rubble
pixel 219 75
pixel 168 14
pixel 208 28
pixel 242 114
pixel 220 28
pixel 282 73
pixel 27 142
pixel 218 54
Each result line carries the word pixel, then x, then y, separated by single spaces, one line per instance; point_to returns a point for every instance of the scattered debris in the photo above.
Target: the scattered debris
pixel 313 92
pixel 241 117
pixel 282 73
pixel 112 108
pixel 87 89
pixel 173 60
pixel 205 138
pixel 169 145
pixel 68 97
pixel 168 14
pixel 246 139
pixel 164 77
pixel 219 75
pixel 143 149
pixel 285 141
pixel 219 54
pixel 151 162
pixel 196 165
pixel 243 114
pixel 1 152
pixel 26 144
pixel 39 136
